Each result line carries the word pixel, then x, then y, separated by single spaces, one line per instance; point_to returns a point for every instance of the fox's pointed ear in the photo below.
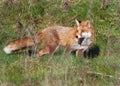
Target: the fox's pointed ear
pixel 77 22
pixel 88 23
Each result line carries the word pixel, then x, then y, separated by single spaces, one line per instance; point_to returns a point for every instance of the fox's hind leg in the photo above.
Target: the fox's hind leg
pixel 43 51
pixel 51 43
pixel 49 49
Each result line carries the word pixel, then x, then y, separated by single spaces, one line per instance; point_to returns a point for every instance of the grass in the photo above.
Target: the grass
pixel 61 69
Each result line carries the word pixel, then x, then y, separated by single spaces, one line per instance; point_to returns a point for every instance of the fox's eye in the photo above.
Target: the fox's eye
pixel 76 36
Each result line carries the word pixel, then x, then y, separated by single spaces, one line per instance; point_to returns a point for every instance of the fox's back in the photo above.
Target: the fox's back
pixel 58 31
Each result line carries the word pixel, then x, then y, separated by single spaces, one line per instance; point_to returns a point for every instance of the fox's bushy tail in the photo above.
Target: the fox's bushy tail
pixel 23 43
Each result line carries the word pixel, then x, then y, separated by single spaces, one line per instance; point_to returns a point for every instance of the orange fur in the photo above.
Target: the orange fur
pixel 53 37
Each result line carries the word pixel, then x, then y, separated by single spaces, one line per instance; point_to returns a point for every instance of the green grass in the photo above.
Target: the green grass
pixel 61 69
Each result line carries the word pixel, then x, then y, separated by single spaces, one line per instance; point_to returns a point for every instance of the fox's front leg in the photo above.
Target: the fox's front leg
pixel 78 52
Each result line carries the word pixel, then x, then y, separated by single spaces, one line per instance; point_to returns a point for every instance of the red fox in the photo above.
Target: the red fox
pixel 73 39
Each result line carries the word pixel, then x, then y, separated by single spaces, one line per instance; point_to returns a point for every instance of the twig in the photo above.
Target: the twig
pixel 73 18
pixel 102 75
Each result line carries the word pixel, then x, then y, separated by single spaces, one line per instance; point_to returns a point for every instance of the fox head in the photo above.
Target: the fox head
pixel 84 30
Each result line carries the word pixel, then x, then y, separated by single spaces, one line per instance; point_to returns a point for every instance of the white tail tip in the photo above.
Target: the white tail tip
pixel 7 50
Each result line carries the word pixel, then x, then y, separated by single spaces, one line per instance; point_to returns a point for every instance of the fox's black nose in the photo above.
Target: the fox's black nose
pixel 80 40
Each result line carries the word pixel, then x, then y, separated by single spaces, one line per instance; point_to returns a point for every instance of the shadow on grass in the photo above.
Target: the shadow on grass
pixel 93 52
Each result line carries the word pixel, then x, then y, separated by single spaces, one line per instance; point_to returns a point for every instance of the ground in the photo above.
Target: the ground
pixel 21 18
